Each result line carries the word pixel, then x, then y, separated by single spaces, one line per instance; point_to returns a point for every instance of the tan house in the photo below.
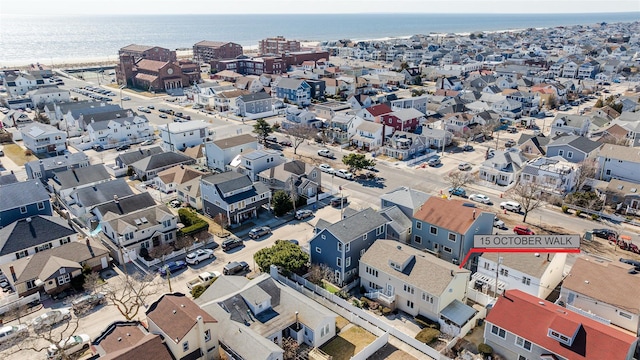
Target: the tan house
pixel 124 340
pixel 168 180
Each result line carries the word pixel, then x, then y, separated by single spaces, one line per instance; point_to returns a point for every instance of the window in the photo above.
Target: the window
pixel 487 266
pixel 21 254
pixel 207 335
pixel 410 304
pixel 23 209
pixel 318 250
pixel 409 289
pixel 569 154
pixel 452 237
pixel 498 331
pixel 427 298
pixel 339 246
pixel 339 262
pixel 168 237
pixel 364 237
pixel 31 284
pixel 504 272
pixel 63 279
pixel 347 247
pixel 41 205
pixel 348 261
pixel 625 315
pixel 525 344
pixel 380 230
pixel 43 247
pixel 447 249
pixel 65 240
pixel 561 152
pixel 418 225
pixel 362 252
pixel 526 280
pixel 433 230
pixel 185 346
pixel 520 357
pixel 417 239
pixel 166 223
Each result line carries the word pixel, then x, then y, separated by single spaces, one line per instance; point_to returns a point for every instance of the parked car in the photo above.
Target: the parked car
pixel 481 198
pixel 87 302
pixel 522 230
pixel 467 148
pixel 259 231
pixel 303 214
pixel 171 267
pixel 511 206
pixel 235 267
pixel 498 223
pixel 285 142
pixel 50 318
pixel 123 147
pixel 464 166
pixel 325 153
pixel 635 263
pixel 195 257
pixel 9 332
pixel 509 143
pixel 336 202
pixel 69 346
pixel 126 98
pixel 163 116
pixel 605 233
pixel 147 142
pixel 271 138
pixel 326 168
pixel 345 174
pixel 512 129
pixel 151 107
pixel 232 243
pixel 434 162
pixel 458 192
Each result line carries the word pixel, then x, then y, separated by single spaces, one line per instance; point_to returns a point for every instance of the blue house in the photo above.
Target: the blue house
pixel 445 227
pixel 339 246
pixel 21 200
pixel 296 91
pixel 44 169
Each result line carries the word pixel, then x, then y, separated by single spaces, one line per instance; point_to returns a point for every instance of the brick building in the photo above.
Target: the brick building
pixel 267 65
pixel 148 52
pixel 277 46
pixel 206 51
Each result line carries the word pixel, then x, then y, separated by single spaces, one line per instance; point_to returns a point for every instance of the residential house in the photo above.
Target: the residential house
pixel 77 115
pixel 570 70
pixel 255 105
pixel 573 148
pixel 407 279
pixel 522 326
pixel 18 83
pixel 530 101
pixel 221 152
pixel 227 100
pixel 80 202
pixel 65 182
pixel 119 206
pixel 234 196
pixel 197 153
pixel 588 70
pixel 399 224
pixel 262 312
pixel 125 159
pixel 622 196
pixel 404 119
pixel 329 109
pixel 508 107
pixel 181 135
pixel 132 129
pixel 458 123
pixel 249 82
pixel 21 200
pixel 370 136
pixel 44 169
pixel 17 119
pixel 188 331
pixel 126 234
pixel 339 246
pixel 408 200
pixel 373 113
pixel 533 145
pixel 252 163
pixel 416 102
pixel 51 270
pixel 295 91
pixel 342 127
pixel 533 273
pixel 168 180
pixel 43 139
pixel 149 167
pixel 503 168
pixel 189 193
pixel 306 178
pixel 615 134
pixel 570 124
pixel 449 237
pixel 34 234
pixel 300 117
pixel 436 138
pixel 553 175
pixel 618 162
pixel 48 95
pixel 123 340
pixel 404 145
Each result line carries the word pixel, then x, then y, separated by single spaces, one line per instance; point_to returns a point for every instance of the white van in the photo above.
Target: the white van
pixel 7 333
pixel 511 206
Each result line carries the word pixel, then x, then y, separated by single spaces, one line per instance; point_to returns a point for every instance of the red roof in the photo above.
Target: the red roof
pixel 531 318
pixel 378 110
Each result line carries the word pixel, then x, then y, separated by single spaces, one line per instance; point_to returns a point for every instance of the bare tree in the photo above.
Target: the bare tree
pixel 130 293
pixel 320 272
pixel 92 282
pixel 457 178
pixel 290 347
pixel 161 250
pixel 299 133
pixel 586 170
pixel 528 196
pixel 51 337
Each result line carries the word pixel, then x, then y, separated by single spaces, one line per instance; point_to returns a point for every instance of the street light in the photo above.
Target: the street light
pixel 121 87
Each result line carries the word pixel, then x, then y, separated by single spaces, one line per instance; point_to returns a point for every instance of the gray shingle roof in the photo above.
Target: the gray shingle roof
pixel 356 225
pixel 25 233
pixel 81 176
pixel 254 97
pixel 103 192
pixel 22 193
pixel 59 161
pixel 578 142
pixel 161 160
pixel 406 197
pixel 126 205
pixel 129 157
pixel 228 181
pixel 235 141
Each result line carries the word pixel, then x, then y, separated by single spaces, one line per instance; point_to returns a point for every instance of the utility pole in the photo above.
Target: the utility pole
pixel 498 262
pixel 124 262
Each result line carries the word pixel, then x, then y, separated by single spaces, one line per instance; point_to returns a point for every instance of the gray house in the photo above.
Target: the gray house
pixel 573 148
pixel 44 139
pixel 570 124
pixel 65 182
pixel 221 152
pixel 150 166
pixel 406 199
pixel 21 200
pixel 233 195
pixel 44 169
pixel 339 246
pixel 254 105
pixel 306 178
pixel 446 227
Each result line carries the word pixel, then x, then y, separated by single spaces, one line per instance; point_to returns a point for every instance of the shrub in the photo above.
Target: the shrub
pixel 342 294
pixel 578 213
pixel 594 217
pixel 374 306
pixel 192 223
pixel 428 335
pixel 356 303
pixel 565 209
pixel 386 311
pixel 197 291
pixel 485 349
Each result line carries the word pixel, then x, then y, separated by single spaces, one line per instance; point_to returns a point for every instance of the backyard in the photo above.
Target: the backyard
pixel 17 154
pixel 349 342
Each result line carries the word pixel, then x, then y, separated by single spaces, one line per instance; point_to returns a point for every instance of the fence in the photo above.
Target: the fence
pixel 14 301
pixel 479 297
pixel 419 159
pixel 171 255
pixel 372 348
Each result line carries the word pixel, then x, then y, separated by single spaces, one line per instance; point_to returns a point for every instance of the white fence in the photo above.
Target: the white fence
pixel 172 254
pixel 14 301
pixel 479 297
pixel 372 348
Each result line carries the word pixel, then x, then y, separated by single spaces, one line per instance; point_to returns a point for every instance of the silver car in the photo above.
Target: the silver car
pixel 50 318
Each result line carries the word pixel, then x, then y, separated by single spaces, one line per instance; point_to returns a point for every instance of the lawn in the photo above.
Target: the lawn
pixel 329 287
pixel 17 154
pixel 348 343
pixel 341 323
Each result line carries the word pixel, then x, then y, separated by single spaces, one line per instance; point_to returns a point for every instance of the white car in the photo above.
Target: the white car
pixel 344 174
pixel 326 168
pixel 325 153
pixel 8 333
pixel 50 318
pixel 511 206
pixel 498 223
pixel 480 198
pixel 69 346
pixel 195 257
pixel 464 166
pixel 126 98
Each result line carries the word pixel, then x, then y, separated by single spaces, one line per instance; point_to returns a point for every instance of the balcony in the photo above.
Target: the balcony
pixel 384 299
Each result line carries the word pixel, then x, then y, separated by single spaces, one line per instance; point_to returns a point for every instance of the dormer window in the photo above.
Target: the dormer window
pixel 395 266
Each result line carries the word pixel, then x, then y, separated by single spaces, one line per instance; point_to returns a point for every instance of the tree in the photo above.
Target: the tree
pixel 319 272
pixel 287 256
pixel 553 102
pixel 48 336
pixel 161 250
pixel 290 347
pixel 262 128
pixel 281 203
pixel 457 178
pixel 586 170
pixel 357 162
pixel 299 133
pixel 130 293
pixel 528 196
pixel 599 103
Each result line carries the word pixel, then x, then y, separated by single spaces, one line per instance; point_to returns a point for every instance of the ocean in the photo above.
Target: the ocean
pixel 54 40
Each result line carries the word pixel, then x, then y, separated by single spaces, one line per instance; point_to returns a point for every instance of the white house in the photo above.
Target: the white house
pixel 251 163
pixel 19 83
pixel 554 175
pixel 619 162
pixel 570 124
pixel 342 127
pixel 503 168
pixel 43 139
pixel 127 130
pixel 181 135
pixel 49 95
pixel 220 152
pixel 168 180
pixel 370 136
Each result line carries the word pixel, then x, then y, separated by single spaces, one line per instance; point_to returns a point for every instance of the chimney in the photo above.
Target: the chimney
pixel 28 219
pixel 201 340
pixel 90 248
pixel 13 274
pixel 115 199
pixel 474 214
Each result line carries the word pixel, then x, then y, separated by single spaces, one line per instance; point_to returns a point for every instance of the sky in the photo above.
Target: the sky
pixel 140 7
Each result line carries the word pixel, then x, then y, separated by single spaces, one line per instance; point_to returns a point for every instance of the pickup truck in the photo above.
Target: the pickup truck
pixel 204 279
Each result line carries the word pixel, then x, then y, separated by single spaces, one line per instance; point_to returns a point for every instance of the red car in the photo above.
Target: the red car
pixel 522 230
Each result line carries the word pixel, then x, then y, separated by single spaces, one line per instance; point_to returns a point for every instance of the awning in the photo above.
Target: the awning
pixel 458 312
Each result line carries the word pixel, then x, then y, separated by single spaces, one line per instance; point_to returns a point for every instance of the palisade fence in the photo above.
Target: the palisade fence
pixel 14 301
pixel 355 315
pixel 173 254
